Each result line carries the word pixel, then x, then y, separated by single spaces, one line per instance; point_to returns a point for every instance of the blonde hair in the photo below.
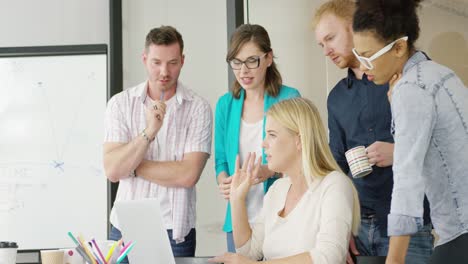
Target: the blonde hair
pixel 301 117
pixel 341 8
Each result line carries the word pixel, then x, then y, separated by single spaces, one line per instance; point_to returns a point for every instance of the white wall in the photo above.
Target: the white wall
pixel 203 28
pixel 300 60
pixel 53 22
pixel 443 36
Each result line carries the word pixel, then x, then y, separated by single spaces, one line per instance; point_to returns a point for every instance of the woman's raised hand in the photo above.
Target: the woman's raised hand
pixel 244 176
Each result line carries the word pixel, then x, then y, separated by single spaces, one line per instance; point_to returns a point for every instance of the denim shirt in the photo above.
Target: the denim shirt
pixel 358 115
pixel 430 117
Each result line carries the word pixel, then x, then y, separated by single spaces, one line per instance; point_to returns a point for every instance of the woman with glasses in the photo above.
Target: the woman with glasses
pixel 308 216
pixel 430 126
pixel 239 118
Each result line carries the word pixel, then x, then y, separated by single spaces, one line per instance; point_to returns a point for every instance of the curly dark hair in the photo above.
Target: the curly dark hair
pixel 388 19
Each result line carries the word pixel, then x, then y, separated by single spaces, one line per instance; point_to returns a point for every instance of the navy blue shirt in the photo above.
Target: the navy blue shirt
pixel 358 115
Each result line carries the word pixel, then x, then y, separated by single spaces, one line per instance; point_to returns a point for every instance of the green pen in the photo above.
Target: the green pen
pixel 74 239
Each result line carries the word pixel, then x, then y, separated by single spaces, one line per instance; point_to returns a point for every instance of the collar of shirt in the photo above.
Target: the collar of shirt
pixel 417 57
pixel 351 78
pixel 181 94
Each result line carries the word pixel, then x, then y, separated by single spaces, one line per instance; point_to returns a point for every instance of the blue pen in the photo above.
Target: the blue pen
pixel 97 258
pixel 162 97
pixel 125 253
pixel 83 254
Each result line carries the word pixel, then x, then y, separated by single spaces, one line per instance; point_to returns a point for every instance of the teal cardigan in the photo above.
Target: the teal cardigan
pixel 227 127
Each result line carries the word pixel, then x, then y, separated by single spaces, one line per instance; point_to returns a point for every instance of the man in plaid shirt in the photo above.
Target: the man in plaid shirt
pixel 158 139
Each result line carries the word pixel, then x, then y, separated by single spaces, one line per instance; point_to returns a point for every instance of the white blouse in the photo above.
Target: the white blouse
pixel 250 140
pixel 320 223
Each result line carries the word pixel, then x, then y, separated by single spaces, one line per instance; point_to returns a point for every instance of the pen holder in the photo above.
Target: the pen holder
pixel 71 256
pixel 105 247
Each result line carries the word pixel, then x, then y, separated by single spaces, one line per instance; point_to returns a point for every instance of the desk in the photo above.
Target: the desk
pixel 201 260
pixel 195 260
pixel 370 260
pixel 204 260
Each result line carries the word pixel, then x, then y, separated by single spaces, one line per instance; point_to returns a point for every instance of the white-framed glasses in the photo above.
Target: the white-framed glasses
pixel 367 62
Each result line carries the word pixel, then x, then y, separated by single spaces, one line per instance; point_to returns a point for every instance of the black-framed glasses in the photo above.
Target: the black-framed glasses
pixel 252 62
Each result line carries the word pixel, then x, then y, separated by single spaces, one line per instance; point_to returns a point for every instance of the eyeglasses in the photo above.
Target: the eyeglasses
pixel 252 62
pixel 367 62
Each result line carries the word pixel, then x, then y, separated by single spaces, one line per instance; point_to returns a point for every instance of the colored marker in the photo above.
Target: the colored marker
pixel 125 253
pixel 73 238
pixel 86 250
pixel 98 251
pixel 125 247
pixel 83 254
pixel 111 250
pixel 96 257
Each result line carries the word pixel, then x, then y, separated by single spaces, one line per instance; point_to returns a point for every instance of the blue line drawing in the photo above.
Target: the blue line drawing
pixel 59 165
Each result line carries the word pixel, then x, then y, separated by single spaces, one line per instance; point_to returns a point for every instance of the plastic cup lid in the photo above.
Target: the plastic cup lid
pixel 7 244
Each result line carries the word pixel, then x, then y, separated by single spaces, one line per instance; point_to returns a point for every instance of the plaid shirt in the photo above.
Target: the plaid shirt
pixel 189 125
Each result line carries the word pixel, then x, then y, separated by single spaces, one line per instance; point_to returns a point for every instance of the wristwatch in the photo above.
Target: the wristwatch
pixel 143 134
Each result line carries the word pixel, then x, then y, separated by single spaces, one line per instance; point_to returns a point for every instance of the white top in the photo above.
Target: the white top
pixel 250 140
pixel 320 223
pixel 162 154
pixel 189 124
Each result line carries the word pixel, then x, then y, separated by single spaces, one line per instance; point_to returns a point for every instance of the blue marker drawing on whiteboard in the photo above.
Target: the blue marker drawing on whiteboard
pixel 58 165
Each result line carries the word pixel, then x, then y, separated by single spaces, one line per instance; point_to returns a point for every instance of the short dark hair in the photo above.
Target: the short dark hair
pixel 164 35
pixel 258 35
pixel 388 19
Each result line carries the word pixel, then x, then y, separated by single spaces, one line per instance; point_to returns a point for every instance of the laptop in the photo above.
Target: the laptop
pixel 140 221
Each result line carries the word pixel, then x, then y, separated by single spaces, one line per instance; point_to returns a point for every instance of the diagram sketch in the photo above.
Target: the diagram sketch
pixel 51 130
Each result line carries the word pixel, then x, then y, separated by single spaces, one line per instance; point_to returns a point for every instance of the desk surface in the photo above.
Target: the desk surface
pixel 196 260
pixel 204 260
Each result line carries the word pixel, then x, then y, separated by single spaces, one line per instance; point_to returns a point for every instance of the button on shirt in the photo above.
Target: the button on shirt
pixel 189 125
pixel 358 115
pixel 430 112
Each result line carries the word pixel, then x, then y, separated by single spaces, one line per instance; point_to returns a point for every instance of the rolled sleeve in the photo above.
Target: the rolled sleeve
pixel 115 126
pixel 199 133
pixel 400 225
pixel 413 111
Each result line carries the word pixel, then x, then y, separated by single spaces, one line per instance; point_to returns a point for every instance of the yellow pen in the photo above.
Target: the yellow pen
pixel 90 255
pixel 111 250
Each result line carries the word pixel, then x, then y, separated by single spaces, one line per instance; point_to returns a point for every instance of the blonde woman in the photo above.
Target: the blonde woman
pixel 307 216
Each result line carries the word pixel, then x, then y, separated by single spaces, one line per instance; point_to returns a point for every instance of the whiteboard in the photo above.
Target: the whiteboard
pixel 52 108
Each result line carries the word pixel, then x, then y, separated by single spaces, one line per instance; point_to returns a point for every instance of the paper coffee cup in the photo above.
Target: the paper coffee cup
pixel 52 256
pixel 8 251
